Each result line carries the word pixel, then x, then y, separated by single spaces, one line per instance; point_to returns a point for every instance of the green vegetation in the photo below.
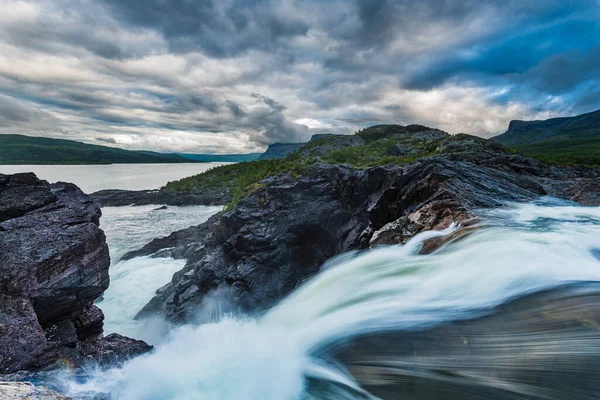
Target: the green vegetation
pixel 585 151
pixel 221 157
pixel 242 177
pixel 559 141
pixel 395 146
pixel 20 149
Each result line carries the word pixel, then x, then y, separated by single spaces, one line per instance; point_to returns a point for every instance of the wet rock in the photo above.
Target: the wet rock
pixel 23 343
pixel 113 349
pixel 54 265
pixel 280 234
pixel 60 251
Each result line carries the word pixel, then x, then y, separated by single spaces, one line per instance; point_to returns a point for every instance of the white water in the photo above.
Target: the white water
pixel 91 178
pixel 527 248
pixel 134 282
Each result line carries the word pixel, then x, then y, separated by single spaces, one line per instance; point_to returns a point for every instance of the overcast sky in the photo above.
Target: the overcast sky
pixel 231 76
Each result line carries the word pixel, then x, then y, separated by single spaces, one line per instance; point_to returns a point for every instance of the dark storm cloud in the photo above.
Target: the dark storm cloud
pixel 239 74
pixel 219 28
pixel 14 114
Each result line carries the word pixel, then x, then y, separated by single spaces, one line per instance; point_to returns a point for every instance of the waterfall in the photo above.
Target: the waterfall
pixel 291 352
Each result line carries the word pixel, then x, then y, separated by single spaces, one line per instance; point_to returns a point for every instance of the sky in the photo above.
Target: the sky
pixel 232 76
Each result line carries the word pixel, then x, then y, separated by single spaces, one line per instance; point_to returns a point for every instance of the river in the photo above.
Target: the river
pixel 523 249
pixel 519 250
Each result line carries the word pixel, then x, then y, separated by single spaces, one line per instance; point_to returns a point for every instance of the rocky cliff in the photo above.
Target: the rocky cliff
pixel 556 129
pixel 53 263
pixel 282 232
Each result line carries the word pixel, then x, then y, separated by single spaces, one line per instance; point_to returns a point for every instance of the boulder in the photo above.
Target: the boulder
pixel 280 234
pixel 54 263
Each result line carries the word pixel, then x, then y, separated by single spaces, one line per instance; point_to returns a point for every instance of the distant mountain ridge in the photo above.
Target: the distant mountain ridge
pixel 577 127
pixel 22 149
pixel 565 140
pixel 280 150
pixel 221 157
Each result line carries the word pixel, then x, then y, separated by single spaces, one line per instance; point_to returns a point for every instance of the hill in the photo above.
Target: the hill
pixel 221 157
pixel 21 149
pixel 567 140
pixel 280 150
pixel 377 145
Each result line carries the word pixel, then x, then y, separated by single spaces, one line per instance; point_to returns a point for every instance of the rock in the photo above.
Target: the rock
pixel 120 198
pixel 60 251
pixel 54 265
pixel 22 340
pixel 113 349
pixel 27 391
pixel 89 322
pixel 280 234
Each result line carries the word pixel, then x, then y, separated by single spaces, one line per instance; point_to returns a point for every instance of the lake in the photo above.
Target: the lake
pixel 91 178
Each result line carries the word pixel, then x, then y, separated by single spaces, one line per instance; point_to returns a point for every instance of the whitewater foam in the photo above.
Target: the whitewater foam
pixel 525 248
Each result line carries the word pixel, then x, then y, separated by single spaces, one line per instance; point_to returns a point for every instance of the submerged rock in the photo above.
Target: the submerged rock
pixel 54 264
pixel 280 234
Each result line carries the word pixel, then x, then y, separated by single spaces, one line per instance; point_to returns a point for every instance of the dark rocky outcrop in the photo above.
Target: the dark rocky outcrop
pixel 282 232
pixel 119 198
pixel 53 264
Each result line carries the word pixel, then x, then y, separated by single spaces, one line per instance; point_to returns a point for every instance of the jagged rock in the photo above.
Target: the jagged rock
pixel 22 340
pixel 55 241
pixel 281 233
pixel 54 264
pixel 27 391
pixel 113 349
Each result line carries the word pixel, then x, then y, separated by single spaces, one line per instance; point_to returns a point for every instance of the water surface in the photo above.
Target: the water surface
pixel 91 178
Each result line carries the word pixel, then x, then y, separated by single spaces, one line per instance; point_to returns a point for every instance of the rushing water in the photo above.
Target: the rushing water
pixel 91 178
pixel 522 249
pixel 133 282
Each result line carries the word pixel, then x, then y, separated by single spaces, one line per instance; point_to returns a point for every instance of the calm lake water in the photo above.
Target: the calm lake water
pixel 91 178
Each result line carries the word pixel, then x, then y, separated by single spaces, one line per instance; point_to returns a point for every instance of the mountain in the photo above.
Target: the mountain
pixel 221 157
pixel 21 149
pixel 566 140
pixel 280 150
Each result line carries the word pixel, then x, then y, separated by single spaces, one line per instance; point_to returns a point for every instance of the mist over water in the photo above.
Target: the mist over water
pixel 519 249
pixel 134 282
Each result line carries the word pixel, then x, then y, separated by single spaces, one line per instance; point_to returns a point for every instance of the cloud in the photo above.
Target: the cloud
pixel 235 75
pixel 107 140
pixel 18 118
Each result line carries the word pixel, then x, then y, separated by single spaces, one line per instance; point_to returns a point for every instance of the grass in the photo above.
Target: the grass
pixel 585 151
pixel 20 149
pixel 242 178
